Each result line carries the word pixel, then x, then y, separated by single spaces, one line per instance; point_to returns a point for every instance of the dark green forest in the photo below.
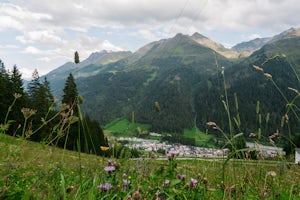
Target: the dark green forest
pixel 33 113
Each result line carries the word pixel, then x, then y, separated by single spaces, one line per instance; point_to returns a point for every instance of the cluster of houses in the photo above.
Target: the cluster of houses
pixel 192 151
pixel 265 151
pixel 182 150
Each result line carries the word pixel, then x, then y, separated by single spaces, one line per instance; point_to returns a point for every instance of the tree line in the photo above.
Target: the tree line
pixel 33 113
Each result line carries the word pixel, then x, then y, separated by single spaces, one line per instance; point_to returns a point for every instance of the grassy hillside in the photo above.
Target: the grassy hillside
pixel 35 171
pixel 124 128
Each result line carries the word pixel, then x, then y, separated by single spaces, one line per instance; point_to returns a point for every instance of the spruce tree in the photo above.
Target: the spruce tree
pixel 33 89
pixel 76 58
pixel 49 99
pixel 70 96
pixel 16 83
pixel 5 92
pixel 40 99
pixel 70 92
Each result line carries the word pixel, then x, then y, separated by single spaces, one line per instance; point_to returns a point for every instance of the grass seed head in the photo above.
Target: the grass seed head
pixel 269 76
pixel 258 68
pixel 294 90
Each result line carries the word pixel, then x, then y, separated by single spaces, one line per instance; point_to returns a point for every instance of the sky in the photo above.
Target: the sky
pixel 44 34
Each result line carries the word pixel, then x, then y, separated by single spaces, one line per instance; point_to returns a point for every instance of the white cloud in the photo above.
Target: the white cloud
pixel 53 30
pixel 44 59
pixel 254 36
pixel 26 73
pixel 20 18
pixel 33 50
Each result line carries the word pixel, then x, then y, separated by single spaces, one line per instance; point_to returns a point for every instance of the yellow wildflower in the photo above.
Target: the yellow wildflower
pixel 104 148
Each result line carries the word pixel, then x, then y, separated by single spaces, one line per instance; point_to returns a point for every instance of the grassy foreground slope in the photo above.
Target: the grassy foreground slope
pixel 34 171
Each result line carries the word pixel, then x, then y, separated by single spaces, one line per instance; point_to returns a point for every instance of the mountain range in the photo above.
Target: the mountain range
pixel 185 75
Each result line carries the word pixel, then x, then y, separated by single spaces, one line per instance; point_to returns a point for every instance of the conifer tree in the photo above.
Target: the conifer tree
pixel 70 91
pixel 5 94
pixel 33 89
pixel 69 97
pixel 41 99
pixel 76 58
pixel 16 83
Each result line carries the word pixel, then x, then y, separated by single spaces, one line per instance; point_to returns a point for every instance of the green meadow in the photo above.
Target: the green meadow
pixel 32 170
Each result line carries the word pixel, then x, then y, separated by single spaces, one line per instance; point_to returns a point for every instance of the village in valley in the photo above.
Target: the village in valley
pixel 155 146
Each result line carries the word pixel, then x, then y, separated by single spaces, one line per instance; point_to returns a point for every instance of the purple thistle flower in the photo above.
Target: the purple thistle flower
pixel 110 169
pixel 110 162
pixel 126 183
pixel 173 152
pixel 181 177
pixel 193 182
pixel 104 187
pixel 167 182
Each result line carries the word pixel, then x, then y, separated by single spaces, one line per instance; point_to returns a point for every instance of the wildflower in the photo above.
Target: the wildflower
pixel 124 175
pixel 136 195
pixel 252 135
pixel 181 177
pixel 64 107
pixel 118 187
pixel 232 188
pixel 70 189
pixel 271 173
pixel 129 197
pixel 222 70
pixel 205 181
pixel 173 153
pixel 73 119
pixel 167 183
pixel 193 182
pixel 17 95
pixel 4 127
pixel 110 169
pixel 110 162
pixel 157 107
pixel 27 112
pixel 116 164
pixel 258 68
pixel 80 99
pixel 152 155
pixel 126 184
pixel 104 148
pixel 274 135
pixel 211 124
pixel 199 175
pixel 286 118
pixel 104 187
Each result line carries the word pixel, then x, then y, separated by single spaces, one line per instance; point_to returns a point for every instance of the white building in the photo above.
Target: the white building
pixel 265 151
pixel 297 156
